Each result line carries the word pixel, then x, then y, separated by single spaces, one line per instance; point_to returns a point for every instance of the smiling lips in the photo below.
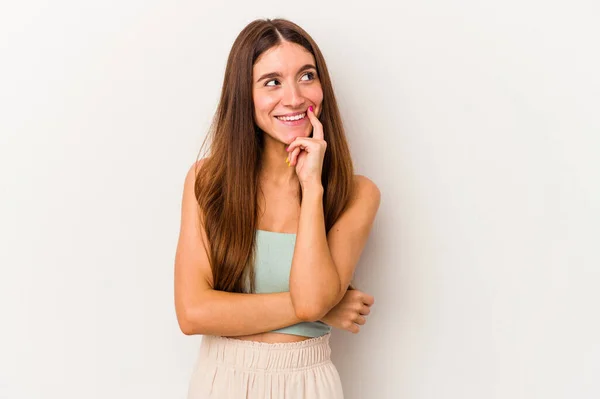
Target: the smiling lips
pixel 292 118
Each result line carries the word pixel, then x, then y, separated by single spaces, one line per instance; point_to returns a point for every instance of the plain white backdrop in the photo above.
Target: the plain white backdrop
pixel 478 120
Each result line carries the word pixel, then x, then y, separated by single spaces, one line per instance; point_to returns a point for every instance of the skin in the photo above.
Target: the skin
pixel 296 89
pixel 293 91
pixel 322 264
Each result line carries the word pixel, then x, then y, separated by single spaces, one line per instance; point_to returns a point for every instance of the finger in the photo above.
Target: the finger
pixel 317 126
pixel 306 143
pixel 368 299
pixel 365 310
pixel 350 326
pixel 294 156
pixel 293 145
pixel 360 320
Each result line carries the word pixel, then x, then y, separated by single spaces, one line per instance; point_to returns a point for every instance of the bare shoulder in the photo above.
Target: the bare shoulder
pixel 362 207
pixel 193 170
pixel 366 191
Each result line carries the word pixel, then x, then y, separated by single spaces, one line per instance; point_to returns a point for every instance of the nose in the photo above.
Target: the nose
pixel 292 96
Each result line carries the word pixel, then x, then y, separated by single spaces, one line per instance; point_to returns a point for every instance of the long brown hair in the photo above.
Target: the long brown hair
pixel 227 184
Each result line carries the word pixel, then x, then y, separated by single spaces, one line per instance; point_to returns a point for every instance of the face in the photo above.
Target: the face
pixel 284 85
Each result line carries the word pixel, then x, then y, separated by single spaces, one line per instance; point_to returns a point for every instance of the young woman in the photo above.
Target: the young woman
pixel 274 221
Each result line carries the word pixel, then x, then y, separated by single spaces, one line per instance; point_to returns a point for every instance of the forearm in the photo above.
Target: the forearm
pixel 314 280
pixel 233 314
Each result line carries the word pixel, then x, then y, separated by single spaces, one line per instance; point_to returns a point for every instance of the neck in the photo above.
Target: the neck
pixel 275 171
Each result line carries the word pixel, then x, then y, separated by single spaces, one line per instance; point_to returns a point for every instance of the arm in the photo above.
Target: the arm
pixel 323 264
pixel 230 314
pixel 202 310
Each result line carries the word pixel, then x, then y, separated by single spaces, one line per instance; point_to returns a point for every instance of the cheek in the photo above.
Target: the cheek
pixel 316 95
pixel 263 105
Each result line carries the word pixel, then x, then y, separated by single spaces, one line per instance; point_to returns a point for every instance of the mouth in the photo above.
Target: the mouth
pixel 291 118
pixel 294 119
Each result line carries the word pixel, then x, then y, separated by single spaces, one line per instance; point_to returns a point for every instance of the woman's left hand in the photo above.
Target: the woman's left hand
pixel 307 153
pixel 351 312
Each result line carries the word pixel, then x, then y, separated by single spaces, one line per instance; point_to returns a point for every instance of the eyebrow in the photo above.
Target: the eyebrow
pixel 278 75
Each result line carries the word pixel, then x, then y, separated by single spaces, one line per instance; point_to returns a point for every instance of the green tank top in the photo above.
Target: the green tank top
pixel 273 262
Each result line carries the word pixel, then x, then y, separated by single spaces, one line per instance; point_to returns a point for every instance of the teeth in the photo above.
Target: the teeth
pixel 291 118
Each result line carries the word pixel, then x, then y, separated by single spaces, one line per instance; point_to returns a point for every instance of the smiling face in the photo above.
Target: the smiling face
pixel 284 85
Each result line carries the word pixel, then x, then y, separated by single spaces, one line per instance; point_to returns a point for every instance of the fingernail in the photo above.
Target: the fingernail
pixel 310 108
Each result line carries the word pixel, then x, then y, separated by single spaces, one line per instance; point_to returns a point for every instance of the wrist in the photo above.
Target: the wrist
pixel 311 187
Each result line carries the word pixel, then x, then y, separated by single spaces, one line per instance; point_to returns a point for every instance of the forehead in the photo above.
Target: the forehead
pixel 285 57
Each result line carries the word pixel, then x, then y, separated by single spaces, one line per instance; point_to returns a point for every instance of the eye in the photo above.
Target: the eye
pixel 310 75
pixel 271 81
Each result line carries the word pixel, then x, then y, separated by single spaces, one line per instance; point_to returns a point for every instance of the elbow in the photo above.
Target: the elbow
pixel 188 323
pixel 312 308
pixel 308 315
pixel 185 326
pixel 310 312
pixel 186 329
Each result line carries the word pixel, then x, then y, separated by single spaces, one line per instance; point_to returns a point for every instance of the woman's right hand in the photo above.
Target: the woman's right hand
pixel 350 312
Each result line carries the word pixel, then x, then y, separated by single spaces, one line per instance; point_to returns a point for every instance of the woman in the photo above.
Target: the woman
pixel 273 225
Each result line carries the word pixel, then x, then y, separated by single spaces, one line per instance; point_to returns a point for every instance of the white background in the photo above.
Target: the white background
pixel 478 120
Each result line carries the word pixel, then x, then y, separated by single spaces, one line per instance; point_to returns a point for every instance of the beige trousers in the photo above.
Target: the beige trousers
pixel 229 368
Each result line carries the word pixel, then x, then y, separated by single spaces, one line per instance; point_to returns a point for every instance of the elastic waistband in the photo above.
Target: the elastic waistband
pixel 255 355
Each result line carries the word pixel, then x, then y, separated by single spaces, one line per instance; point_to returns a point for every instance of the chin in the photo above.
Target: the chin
pixel 286 136
pixel 291 136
